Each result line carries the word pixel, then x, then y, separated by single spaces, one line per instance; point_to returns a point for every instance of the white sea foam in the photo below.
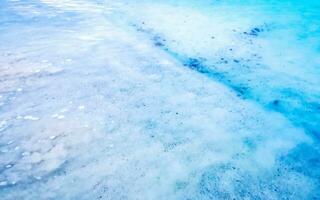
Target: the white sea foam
pixel 136 120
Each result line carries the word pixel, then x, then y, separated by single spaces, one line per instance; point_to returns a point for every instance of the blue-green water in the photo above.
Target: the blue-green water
pixel 159 99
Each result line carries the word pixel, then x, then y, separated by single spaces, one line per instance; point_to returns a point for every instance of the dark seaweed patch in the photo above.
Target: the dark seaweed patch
pixel 241 90
pixel 193 63
pixel 275 105
pixel 254 32
pixel 196 64
pixel 158 41
pixel 276 102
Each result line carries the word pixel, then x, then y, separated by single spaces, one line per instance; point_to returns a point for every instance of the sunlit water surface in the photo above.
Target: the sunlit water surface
pixel 159 99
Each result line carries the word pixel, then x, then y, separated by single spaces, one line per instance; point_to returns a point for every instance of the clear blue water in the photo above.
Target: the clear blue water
pixel 159 99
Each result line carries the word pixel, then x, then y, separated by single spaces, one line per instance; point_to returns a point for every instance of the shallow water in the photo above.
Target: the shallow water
pixel 159 99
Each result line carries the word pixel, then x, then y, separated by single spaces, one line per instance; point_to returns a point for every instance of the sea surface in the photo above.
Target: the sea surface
pixel 159 99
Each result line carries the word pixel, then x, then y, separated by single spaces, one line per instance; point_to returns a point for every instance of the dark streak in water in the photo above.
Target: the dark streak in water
pixel 242 91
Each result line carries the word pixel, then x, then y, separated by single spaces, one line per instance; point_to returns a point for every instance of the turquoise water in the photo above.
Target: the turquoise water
pixel 159 99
